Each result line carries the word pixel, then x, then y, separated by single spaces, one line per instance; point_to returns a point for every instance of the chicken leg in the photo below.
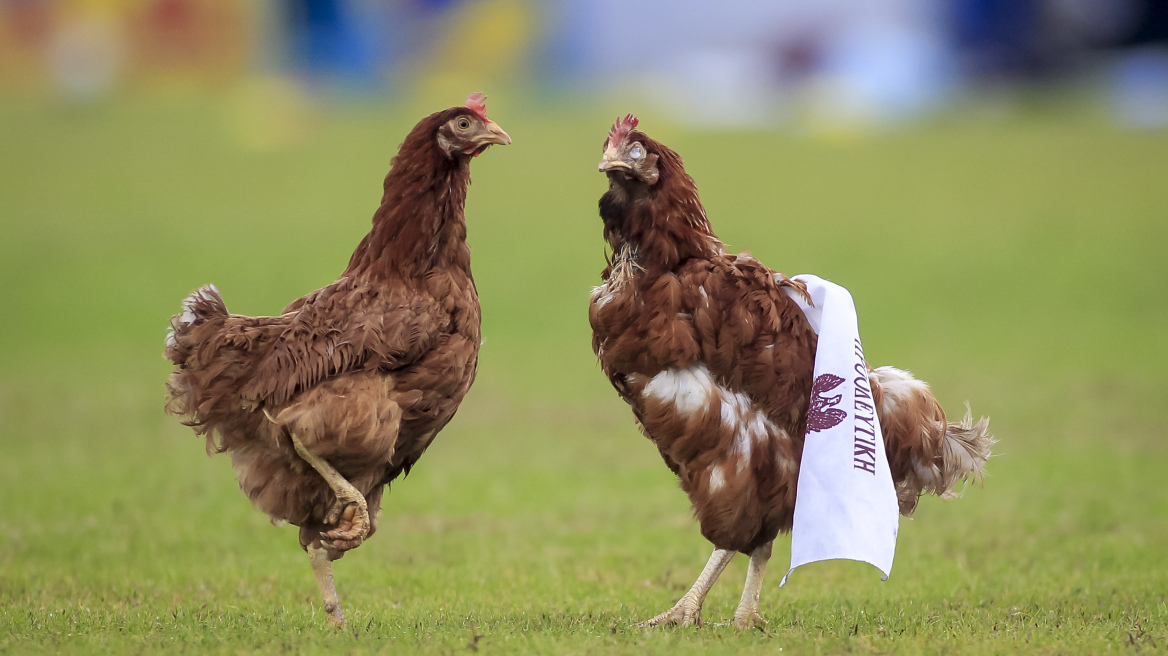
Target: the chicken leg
pixel 350 514
pixel 688 610
pixel 747 617
pixel 322 566
pixel 351 510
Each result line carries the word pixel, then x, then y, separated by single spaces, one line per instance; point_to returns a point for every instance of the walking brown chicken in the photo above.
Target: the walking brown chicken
pixel 716 360
pixel 323 406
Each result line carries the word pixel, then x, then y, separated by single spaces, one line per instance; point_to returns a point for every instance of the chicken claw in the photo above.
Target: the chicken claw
pixel 688 610
pixel 352 525
pixel 350 513
pixel 748 622
pixel 685 613
pixel 746 617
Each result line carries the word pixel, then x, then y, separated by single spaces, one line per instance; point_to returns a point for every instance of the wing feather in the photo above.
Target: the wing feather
pixel 323 339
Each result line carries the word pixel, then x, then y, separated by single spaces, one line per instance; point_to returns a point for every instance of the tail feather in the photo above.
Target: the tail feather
pixel 203 304
pixel 186 384
pixel 926 453
pixel 964 452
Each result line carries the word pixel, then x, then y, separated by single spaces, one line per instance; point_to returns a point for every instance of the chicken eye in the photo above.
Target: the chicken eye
pixel 463 123
pixel 637 152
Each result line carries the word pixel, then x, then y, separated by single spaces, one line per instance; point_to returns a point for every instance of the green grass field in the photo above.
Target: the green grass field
pixel 1016 262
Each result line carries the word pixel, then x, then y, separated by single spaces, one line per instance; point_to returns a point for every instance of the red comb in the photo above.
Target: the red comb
pixel 621 129
pixel 477 101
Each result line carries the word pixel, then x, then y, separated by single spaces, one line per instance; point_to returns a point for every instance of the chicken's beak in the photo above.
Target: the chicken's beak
pixel 494 135
pixel 490 135
pixel 612 161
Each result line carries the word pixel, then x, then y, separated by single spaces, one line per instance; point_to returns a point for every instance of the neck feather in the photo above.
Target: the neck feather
pixel 664 225
pixel 420 224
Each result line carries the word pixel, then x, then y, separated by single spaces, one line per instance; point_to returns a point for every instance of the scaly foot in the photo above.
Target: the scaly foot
pixel 685 613
pixel 748 622
pixel 350 515
pixel 688 611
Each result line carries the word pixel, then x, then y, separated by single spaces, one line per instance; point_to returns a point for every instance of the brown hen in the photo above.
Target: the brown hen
pixel 716 360
pixel 323 406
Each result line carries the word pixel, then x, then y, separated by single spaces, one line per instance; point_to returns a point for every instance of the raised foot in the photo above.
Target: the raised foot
pixel 350 515
pixel 748 622
pixel 682 614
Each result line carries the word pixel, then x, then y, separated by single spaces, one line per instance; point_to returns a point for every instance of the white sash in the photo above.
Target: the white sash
pixel 846 505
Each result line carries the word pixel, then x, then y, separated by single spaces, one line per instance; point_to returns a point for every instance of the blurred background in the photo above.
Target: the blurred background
pixel 988 178
pixel 838 62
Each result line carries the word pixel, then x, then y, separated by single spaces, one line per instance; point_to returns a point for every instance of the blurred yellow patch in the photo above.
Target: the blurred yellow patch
pixel 268 112
pixel 481 46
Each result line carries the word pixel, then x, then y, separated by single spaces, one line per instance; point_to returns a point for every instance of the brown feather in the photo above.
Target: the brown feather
pixel 365 371
pixel 716 361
